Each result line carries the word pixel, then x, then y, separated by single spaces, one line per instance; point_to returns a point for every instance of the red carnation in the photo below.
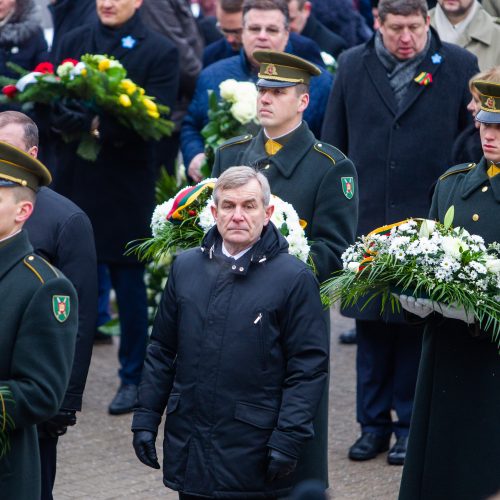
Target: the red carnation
pixel 192 213
pixel 9 90
pixel 44 67
pixel 73 61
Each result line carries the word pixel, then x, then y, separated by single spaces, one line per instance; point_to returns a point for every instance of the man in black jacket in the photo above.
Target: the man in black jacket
pixel 117 190
pixel 62 234
pixel 238 355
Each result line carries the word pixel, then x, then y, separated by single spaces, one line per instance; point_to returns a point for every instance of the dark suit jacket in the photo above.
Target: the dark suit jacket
pixel 327 40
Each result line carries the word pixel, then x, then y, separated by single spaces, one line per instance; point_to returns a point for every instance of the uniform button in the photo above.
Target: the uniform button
pixel 31 257
pixel 267 167
pixel 320 145
pixel 475 217
pixel 392 165
pixel 485 188
pixel 233 267
pixel 396 126
pixel 242 269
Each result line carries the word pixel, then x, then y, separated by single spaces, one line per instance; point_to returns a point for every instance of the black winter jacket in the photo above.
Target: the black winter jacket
pixel 239 359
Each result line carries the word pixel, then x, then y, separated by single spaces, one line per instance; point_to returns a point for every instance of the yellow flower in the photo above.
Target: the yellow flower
pixel 125 101
pixel 83 72
pixel 129 86
pixel 153 114
pixel 104 65
pixel 150 105
pixel 141 90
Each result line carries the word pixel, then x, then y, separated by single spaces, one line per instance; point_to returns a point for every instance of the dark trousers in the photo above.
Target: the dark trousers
pixel 185 496
pixel 387 362
pixel 48 459
pixel 128 283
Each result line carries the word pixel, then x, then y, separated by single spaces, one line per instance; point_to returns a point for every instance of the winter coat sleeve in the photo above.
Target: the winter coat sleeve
pixel 159 366
pixel 76 258
pixel 305 344
pixel 42 356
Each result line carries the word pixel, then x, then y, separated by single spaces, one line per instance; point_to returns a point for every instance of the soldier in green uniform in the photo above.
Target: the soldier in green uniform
pixel 454 443
pixel 316 178
pixel 38 310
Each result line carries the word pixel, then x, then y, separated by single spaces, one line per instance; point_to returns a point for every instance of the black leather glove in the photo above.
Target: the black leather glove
pixel 70 117
pixel 280 465
pixel 145 449
pixel 58 424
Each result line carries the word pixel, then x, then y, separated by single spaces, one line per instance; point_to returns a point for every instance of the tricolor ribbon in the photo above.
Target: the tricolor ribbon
pixel 423 78
pixel 185 198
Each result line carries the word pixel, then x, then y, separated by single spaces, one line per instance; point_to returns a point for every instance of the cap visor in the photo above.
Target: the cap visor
pixel 273 83
pixel 488 117
pixel 6 183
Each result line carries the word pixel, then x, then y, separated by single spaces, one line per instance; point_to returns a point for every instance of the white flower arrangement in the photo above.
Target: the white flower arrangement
pixel 423 258
pixel 194 219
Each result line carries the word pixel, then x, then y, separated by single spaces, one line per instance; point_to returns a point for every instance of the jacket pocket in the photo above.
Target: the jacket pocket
pixel 258 416
pixel 261 334
pixel 173 403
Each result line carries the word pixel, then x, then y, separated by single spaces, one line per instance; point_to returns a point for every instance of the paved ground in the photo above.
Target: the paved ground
pixel 96 459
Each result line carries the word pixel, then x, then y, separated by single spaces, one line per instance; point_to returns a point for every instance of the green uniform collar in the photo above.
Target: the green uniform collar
pixel 478 177
pixel 13 250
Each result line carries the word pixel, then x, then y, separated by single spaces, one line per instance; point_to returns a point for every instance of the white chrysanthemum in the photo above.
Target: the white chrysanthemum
pixel 206 219
pixel 453 246
pixel 65 69
pixel 159 218
pixel 493 265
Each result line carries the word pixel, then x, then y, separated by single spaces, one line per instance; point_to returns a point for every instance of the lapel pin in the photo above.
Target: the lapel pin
pixel 128 42
pixel 437 58
pixel 423 78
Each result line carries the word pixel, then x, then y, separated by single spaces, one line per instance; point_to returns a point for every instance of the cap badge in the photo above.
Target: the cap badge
pixel 61 307
pixel 490 103
pixel 270 70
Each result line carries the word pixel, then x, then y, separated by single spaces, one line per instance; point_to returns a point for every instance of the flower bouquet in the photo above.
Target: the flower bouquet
pixel 181 222
pixel 422 258
pixel 100 83
pixel 6 422
pixel 228 117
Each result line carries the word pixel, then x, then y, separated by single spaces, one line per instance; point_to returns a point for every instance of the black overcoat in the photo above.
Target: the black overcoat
pixel 36 353
pixel 239 360
pixel 454 444
pixel 308 174
pixel 117 190
pixel 398 152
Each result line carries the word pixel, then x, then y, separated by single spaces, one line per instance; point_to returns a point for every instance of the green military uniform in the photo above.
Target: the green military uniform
pixel 38 307
pixel 454 444
pixel 321 184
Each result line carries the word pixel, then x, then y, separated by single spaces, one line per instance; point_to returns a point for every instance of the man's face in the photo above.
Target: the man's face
pixel 115 13
pixel 240 216
pixel 298 17
pixel 280 109
pixel 6 7
pixel 404 36
pixel 263 30
pixel 490 140
pixel 10 212
pixel 456 8
pixel 230 24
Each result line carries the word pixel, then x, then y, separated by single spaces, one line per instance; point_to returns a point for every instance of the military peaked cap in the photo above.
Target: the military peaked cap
pixel 18 168
pixel 279 69
pixel 489 93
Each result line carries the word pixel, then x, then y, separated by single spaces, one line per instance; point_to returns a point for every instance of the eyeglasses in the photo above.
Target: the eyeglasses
pixel 226 32
pixel 269 30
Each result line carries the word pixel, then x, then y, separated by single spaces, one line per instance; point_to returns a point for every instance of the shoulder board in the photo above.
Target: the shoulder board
pixel 236 140
pixel 41 268
pixel 464 167
pixel 329 151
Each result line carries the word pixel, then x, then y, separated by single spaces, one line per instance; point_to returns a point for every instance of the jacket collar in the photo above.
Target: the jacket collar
pixel 287 158
pixel 481 28
pixel 477 178
pixel 432 62
pixel 271 243
pixel 12 251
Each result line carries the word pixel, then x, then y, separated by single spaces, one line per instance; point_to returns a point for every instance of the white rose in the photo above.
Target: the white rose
pixel 453 246
pixel 228 89
pixel 493 266
pixel 328 59
pixel 244 111
pixel 27 80
pixel 353 266
pixel 65 69
pixel 77 69
pixel 245 91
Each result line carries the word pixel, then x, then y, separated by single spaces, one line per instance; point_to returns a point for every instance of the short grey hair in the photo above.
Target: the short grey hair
pixel 402 8
pixel 235 177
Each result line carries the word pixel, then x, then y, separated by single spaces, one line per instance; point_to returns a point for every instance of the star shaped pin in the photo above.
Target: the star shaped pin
pixel 436 58
pixel 128 42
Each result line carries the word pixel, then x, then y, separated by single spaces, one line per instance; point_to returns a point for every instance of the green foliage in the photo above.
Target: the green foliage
pixel 6 422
